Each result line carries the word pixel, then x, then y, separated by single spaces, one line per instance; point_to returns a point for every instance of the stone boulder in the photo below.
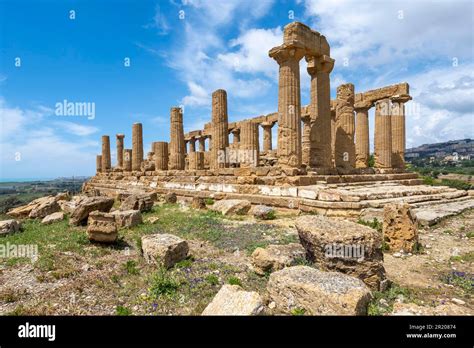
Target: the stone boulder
pixel 343 246
pixel 317 292
pixel 231 206
pixel 164 249
pixel 9 226
pixel 69 206
pixel 233 300
pixel 101 227
pixel 399 227
pixel 87 205
pixel 276 257
pixel 171 198
pixel 198 203
pixel 24 211
pixel 127 218
pixel 142 202
pixel 45 208
pixel 63 196
pixel 54 217
pixel 262 212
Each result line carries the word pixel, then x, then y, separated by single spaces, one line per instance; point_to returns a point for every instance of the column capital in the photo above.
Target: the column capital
pixel 363 105
pixel 267 124
pixel 287 51
pixel 323 63
pixel 120 136
pixel 400 98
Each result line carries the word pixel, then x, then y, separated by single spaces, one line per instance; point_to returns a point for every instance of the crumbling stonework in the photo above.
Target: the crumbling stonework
pixel 249 145
pixel 160 149
pixel 345 127
pixel 399 228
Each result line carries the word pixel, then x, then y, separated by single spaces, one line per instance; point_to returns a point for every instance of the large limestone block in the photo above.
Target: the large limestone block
pixel 81 212
pixel 54 217
pixel 101 227
pixel 46 207
pixel 127 218
pixel 399 227
pixel 318 292
pixel 141 202
pixel 263 212
pixel 233 300
pixel 343 246
pixel 231 206
pixel 276 257
pixel 9 226
pixel 25 210
pixel 164 249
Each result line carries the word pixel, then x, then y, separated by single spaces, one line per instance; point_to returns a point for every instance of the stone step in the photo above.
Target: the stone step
pixel 430 215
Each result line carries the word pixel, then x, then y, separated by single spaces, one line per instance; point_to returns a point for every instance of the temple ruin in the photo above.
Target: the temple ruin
pixel 319 161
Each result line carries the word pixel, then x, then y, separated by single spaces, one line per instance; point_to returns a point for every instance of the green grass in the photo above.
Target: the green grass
pixel 163 283
pixel 234 281
pixel 462 280
pixel 468 257
pixel 120 310
pixel 212 279
pixel 209 201
pixel 390 296
pixel 375 224
pixel 131 267
pixel 470 234
pixel 298 311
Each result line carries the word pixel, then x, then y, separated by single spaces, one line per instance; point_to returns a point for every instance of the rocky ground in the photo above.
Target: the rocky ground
pixel 74 276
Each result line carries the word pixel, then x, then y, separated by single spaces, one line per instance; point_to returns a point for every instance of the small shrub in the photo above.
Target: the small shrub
pixel 234 281
pixel 209 201
pixel 186 263
pixel 212 279
pixel 120 310
pixel 375 224
pixel 163 284
pixel 462 280
pixel 131 267
pixel 298 311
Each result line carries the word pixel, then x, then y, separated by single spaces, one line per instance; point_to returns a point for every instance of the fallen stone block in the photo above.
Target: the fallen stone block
pixel 231 206
pixel 46 207
pixel 127 218
pixel 142 202
pixel 233 300
pixel 399 227
pixel 198 203
pixel 87 205
pixel 171 198
pixel 263 212
pixel 276 257
pixel 54 217
pixel 317 292
pixel 9 227
pixel 164 249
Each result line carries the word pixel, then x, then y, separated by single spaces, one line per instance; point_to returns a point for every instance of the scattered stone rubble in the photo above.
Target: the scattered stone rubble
pixel 233 300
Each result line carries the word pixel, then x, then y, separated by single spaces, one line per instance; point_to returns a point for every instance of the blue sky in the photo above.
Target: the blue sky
pixel 180 51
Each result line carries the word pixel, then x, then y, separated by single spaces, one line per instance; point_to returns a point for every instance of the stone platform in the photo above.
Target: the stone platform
pixel 356 196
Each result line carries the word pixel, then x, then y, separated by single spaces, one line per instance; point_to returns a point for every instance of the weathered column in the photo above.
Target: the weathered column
pixel 289 104
pixel 177 148
pixel 137 146
pixel 249 145
pixel 235 135
pixel 160 149
pixel 202 143
pixel 320 111
pixel 106 162
pixel 192 144
pixel 306 141
pixel 345 127
pixel 362 143
pixel 383 134
pixel 98 163
pixel 196 160
pixel 120 150
pixel 127 160
pixel 267 135
pixel 220 130
pixel 398 130
pixel 333 134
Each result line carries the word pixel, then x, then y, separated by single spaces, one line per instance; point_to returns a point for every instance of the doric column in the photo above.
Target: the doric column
pixel 192 144
pixel 362 134
pixel 267 135
pixel 320 111
pixel 127 160
pixel 333 135
pixel 383 134
pixel 137 146
pixel 106 162
pixel 398 130
pixel 306 141
pixel 202 143
pixel 120 150
pixel 196 160
pixel 220 130
pixel 98 163
pixel 345 127
pixel 160 149
pixel 235 135
pixel 289 104
pixel 177 148
pixel 249 145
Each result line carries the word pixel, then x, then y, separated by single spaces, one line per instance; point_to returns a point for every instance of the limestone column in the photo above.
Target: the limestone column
pixel 160 149
pixel 137 146
pixel 249 145
pixel 220 130
pixel 106 162
pixel 267 135
pixel 289 104
pixel 333 135
pixel 196 160
pixel 362 142
pixel 345 127
pixel 398 130
pixel 120 150
pixel 177 148
pixel 306 141
pixel 202 144
pixel 127 160
pixel 383 134
pixel 192 144
pixel 320 111
pixel 235 136
pixel 98 163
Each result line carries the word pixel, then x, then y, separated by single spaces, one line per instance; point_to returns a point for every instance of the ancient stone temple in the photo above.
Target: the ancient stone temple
pixel 319 163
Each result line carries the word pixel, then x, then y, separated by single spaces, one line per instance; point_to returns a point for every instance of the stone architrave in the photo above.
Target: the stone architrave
pixel 137 146
pixel 220 130
pixel 176 146
pixel 160 149
pixel 383 134
pixel 345 127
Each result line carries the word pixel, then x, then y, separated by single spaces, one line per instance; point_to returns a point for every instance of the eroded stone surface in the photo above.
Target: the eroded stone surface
pixel 141 202
pixel 233 300
pixel 231 206
pixel 9 226
pixel 399 227
pixel 54 217
pixel 164 249
pixel 127 218
pixel 87 205
pixel 101 227
pixel 275 257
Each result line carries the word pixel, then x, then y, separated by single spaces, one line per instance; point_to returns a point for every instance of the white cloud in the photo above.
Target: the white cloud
pixel 77 129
